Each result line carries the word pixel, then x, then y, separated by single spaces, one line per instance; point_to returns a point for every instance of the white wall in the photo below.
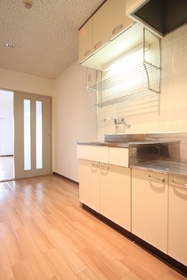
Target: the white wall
pixel 74 120
pixel 17 81
pixel 6 132
pixel 6 123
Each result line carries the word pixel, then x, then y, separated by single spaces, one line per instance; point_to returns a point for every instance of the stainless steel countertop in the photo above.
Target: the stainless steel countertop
pixel 161 165
pixel 109 144
pixel 118 144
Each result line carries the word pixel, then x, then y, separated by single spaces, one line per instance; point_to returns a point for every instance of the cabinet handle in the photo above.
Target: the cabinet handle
pixel 93 165
pixel 117 28
pixel 173 183
pixel 87 52
pixel 97 45
pixel 104 167
pixel 156 180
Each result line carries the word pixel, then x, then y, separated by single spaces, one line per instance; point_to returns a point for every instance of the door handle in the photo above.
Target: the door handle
pixel 173 183
pixel 117 28
pixel 156 180
pixel 93 165
pixel 103 167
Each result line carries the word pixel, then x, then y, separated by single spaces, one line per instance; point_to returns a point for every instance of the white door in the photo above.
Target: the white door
pixel 32 135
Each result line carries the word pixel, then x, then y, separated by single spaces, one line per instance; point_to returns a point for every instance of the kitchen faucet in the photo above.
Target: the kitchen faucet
pixel 118 121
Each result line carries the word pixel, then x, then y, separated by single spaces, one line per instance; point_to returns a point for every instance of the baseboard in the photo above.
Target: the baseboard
pixel 6 155
pixel 66 178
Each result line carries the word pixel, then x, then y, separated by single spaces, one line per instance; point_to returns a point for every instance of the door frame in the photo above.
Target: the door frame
pixel 19 171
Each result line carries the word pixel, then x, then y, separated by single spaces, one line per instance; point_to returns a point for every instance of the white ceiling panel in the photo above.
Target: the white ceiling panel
pixel 46 35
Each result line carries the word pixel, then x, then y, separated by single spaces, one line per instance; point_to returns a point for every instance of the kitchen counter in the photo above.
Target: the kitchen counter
pixel 109 144
pixel 125 144
pixel 158 155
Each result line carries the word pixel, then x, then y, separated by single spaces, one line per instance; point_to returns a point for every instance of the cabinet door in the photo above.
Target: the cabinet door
pixel 85 41
pixel 177 232
pixel 115 194
pixel 118 19
pixel 89 183
pixel 149 207
pixel 101 27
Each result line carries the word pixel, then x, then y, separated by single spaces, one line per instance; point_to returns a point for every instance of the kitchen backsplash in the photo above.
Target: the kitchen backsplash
pixel 164 112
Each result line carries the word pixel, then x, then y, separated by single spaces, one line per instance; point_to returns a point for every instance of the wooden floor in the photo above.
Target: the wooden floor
pixel 44 234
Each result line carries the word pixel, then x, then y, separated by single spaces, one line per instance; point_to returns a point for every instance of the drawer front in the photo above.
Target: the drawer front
pixel 94 153
pixel 119 156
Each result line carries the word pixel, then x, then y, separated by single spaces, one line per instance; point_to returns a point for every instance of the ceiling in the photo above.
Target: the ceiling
pixel 46 35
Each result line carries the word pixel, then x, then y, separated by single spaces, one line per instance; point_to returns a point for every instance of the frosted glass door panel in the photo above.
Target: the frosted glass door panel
pixel 27 134
pixel 38 134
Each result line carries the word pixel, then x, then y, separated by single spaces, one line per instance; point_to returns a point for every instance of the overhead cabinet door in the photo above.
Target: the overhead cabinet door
pixel 85 41
pixel 101 27
pixel 118 19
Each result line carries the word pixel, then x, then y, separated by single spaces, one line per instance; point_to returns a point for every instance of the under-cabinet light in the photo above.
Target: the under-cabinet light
pixel 129 59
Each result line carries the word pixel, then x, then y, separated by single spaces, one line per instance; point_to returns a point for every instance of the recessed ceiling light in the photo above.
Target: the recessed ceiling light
pixel 28 4
pixel 10 45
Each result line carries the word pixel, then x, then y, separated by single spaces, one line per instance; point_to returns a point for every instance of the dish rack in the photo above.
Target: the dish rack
pixel 135 79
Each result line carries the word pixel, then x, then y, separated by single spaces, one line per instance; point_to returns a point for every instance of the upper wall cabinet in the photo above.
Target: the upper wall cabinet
pixel 124 62
pixel 100 30
pixel 85 40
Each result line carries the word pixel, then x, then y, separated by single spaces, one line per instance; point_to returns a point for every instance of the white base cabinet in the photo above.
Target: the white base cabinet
pixel 149 207
pixel 177 230
pixel 105 182
pixel 115 194
pixel 106 189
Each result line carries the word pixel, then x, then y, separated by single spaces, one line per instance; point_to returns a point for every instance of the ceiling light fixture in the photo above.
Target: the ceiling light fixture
pixel 28 4
pixel 10 45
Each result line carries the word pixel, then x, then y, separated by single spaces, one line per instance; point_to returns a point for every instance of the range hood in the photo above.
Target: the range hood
pixel 161 16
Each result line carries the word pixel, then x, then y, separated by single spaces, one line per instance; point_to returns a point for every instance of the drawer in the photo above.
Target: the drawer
pixel 119 156
pixel 94 153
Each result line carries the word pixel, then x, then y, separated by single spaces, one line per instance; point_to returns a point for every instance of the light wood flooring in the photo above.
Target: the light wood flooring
pixel 45 234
